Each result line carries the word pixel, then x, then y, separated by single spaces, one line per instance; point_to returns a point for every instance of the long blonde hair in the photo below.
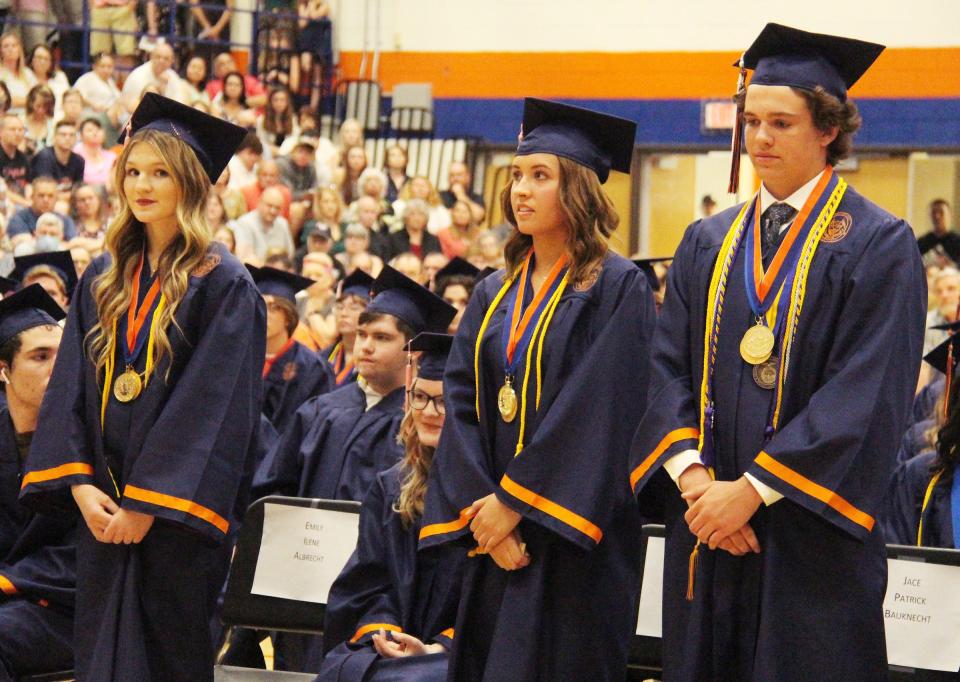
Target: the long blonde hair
pixel 126 241
pixel 414 469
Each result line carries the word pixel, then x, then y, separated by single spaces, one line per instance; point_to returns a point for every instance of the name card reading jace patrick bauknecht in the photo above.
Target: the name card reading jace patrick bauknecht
pixel 302 551
pixel 921 614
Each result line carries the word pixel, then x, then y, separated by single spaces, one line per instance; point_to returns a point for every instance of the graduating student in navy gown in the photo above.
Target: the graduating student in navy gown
pixel 37 551
pixel 292 373
pixel 454 283
pixel 545 384
pixel 353 294
pixel 391 611
pixel 152 413
pixel 796 404
pixel 338 442
pixel 923 502
pixel 52 270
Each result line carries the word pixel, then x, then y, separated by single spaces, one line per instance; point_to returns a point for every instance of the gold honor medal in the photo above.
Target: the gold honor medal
pixel 507 401
pixel 757 344
pixel 765 374
pixel 127 386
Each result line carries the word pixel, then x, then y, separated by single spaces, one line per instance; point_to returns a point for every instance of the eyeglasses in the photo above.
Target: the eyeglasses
pixel 419 401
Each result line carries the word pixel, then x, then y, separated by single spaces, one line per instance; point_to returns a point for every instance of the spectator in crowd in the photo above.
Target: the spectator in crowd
pixel 354 163
pixel 254 93
pixel 396 170
pixel 414 236
pixel 316 239
pixel 113 26
pixel 100 91
pixel 458 177
pixel 73 106
pixel 43 198
pixel 366 262
pixel 389 528
pixel 489 251
pixel 328 210
pixel 277 128
pixel 432 264
pixel 14 165
pixel 297 172
pixel 313 48
pixel 941 239
pixel 368 215
pixel 708 206
pixel 215 211
pixel 457 240
pixel 38 119
pixel 421 188
pixel 214 24
pixel 243 165
pixel 98 161
pixel 194 81
pixel 14 72
pixel 46 71
pixel 226 237
pixel 268 175
pixel 373 183
pixel 233 200
pixel 4 98
pixel 230 103
pixel 36 550
pixel 81 259
pixel 410 265
pixel 59 161
pixel 946 292
pixel 48 234
pixel 90 217
pixel 157 72
pixel 356 240
pixel 316 304
pixel 263 228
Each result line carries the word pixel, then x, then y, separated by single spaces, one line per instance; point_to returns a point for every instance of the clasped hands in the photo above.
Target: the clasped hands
pixel 719 511
pixel 494 528
pixel 106 520
pixel 400 644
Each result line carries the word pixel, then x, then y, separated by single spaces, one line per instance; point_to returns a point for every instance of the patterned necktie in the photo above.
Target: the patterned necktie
pixel 775 217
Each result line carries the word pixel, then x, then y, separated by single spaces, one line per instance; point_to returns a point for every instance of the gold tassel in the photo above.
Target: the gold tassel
pixel 737 143
pixel 692 571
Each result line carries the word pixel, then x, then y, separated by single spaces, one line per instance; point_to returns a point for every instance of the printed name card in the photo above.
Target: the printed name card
pixel 302 551
pixel 650 616
pixel 921 613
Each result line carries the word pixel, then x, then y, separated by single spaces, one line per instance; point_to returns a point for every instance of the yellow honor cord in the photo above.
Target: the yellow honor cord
pixel 483 328
pixel 926 500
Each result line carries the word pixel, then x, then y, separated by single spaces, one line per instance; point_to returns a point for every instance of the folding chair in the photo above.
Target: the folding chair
pixel 242 607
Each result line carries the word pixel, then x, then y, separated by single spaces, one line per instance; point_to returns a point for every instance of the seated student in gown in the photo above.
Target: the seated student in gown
pixel 391 611
pixel 292 373
pixel 37 551
pixel 923 503
pixel 53 270
pixel 150 421
pixel 454 283
pixel 353 295
pixel 338 442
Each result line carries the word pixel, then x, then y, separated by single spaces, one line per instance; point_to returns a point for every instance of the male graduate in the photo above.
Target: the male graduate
pixel 37 552
pixel 783 368
pixel 337 443
pixel 292 373
pixel 353 295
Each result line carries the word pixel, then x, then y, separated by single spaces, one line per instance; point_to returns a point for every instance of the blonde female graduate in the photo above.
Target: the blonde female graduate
pixel 545 385
pixel 152 410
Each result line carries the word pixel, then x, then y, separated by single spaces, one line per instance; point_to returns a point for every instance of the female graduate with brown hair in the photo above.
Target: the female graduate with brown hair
pixel 151 413
pixel 544 387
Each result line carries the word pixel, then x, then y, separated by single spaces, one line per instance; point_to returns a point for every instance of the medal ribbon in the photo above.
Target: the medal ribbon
pixel 137 328
pixel 268 362
pixel 517 335
pixel 341 368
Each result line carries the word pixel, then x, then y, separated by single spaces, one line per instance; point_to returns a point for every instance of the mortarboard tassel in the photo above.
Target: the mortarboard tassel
pixel 408 377
pixel 737 143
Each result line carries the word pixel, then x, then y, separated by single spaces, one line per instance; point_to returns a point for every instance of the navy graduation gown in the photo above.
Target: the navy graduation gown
pixel 294 377
pixel 916 440
pixel 845 405
pixel 908 486
pixel 926 400
pixel 386 584
pixel 182 452
pixel 570 614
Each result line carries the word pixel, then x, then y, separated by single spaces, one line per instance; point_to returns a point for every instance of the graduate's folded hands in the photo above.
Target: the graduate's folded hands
pixel 127 527
pixel 510 553
pixel 722 508
pixel 492 521
pixel 96 507
pixel 400 644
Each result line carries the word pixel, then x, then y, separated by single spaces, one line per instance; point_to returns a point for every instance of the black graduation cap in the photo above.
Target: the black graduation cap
pixel 782 55
pixel 8 285
pixel 435 348
pixel 948 327
pixel 938 356
pixel 274 282
pixel 61 262
pixel 357 283
pixel 212 139
pixel 646 264
pixel 398 295
pixel 457 266
pixel 26 309
pixel 483 274
pixel 597 141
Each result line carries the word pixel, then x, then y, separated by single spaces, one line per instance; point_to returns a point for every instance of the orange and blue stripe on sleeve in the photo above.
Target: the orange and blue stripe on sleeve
pixel 179 504
pixel 668 441
pixel 62 471
pixel 448 527
pixel 7 587
pixel 551 508
pixel 815 490
pixel 373 627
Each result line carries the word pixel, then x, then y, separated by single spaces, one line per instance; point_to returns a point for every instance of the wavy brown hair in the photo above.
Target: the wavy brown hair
pixel 415 469
pixel 588 211
pixel 126 241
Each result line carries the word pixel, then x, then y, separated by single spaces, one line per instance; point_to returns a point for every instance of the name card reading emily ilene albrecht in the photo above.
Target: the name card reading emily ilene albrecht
pixel 302 551
pixel 921 614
